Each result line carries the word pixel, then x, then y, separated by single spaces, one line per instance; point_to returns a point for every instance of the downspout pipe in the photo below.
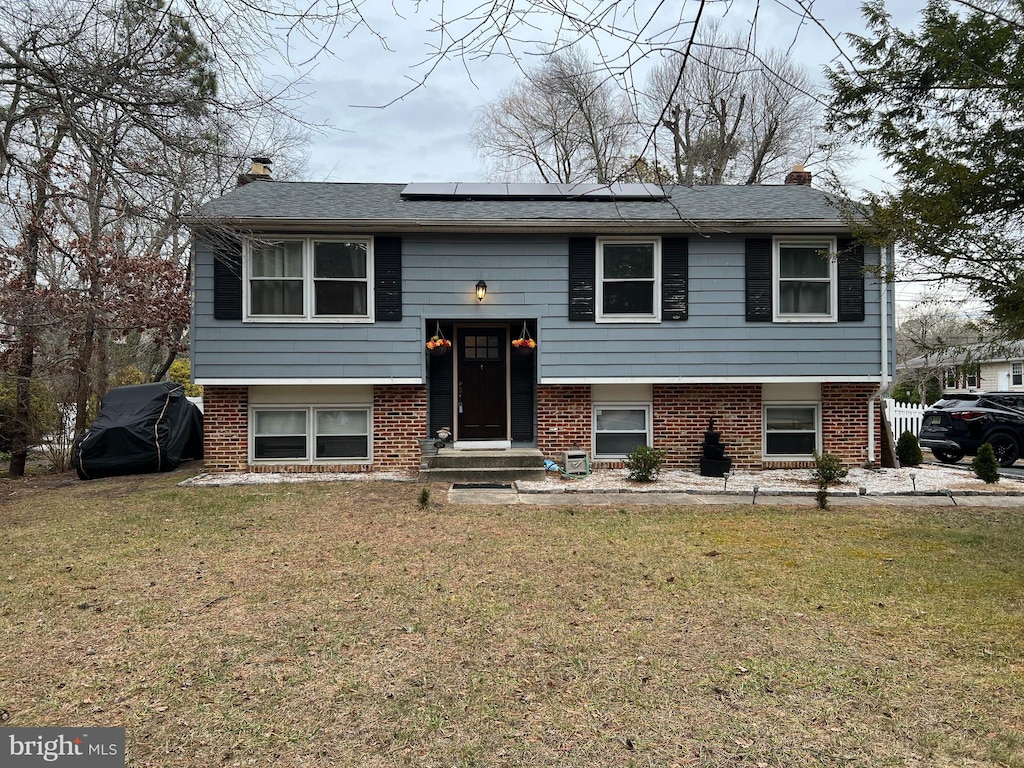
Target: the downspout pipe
pixel 883 379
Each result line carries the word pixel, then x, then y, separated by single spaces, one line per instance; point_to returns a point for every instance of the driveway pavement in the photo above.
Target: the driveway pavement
pixel 1016 471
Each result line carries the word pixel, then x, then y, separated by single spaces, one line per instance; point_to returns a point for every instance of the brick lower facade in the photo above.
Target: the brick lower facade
pixel 844 422
pixel 682 412
pixel 399 421
pixel 680 416
pixel 226 428
pixel 564 416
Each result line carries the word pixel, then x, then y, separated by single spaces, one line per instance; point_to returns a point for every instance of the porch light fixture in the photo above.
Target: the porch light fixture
pixel 481 290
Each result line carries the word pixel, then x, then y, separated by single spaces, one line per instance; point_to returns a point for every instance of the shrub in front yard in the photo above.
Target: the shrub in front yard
pixel 985 465
pixel 908 450
pixel 828 470
pixel 644 463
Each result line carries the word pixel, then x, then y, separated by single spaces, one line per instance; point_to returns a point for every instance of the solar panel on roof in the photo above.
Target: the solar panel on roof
pixel 532 190
pixel 481 189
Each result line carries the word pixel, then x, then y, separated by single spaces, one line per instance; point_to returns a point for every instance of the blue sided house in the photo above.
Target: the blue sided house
pixel 343 326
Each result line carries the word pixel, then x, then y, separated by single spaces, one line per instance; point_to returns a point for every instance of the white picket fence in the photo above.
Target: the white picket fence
pixel 904 416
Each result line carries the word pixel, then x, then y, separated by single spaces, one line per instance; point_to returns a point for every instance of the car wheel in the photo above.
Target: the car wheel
pixel 1005 448
pixel 947 456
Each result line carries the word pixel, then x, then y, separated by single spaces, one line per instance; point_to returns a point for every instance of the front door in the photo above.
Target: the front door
pixel 481 384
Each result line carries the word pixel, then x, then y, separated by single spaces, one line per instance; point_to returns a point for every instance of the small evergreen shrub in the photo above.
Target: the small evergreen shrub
pixel 985 465
pixel 908 450
pixel 424 498
pixel 828 470
pixel 644 463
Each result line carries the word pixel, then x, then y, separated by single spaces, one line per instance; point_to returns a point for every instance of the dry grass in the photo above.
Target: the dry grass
pixel 341 624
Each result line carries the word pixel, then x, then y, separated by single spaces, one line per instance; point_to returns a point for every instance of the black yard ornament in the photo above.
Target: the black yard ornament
pixel 713 461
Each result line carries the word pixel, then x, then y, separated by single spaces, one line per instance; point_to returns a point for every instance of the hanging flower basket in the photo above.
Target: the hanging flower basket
pixel 438 344
pixel 524 344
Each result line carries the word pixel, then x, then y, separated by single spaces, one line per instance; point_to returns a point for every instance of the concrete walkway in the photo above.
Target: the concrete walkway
pixel 510 495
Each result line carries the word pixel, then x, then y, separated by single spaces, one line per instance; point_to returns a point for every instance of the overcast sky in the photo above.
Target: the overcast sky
pixel 425 136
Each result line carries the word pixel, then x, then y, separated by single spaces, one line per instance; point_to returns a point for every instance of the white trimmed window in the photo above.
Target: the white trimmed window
pixel 306 279
pixel 1017 374
pixel 805 280
pixel 310 434
pixel 619 428
pixel 341 434
pixel 629 280
pixel 792 431
pixel 280 434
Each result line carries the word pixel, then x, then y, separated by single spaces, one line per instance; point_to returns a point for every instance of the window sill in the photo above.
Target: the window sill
pixel 804 319
pixel 267 319
pixel 627 320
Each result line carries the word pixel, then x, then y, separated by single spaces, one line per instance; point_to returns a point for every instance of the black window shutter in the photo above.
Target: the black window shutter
pixel 675 268
pixel 227 278
pixel 851 281
pixel 441 387
pixel 759 279
pixel 387 278
pixel 522 377
pixel 582 280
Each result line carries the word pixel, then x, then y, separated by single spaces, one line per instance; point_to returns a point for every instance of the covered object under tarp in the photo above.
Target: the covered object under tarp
pixel 141 428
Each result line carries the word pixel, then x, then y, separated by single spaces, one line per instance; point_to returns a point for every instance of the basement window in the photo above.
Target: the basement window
pixel 619 428
pixel 286 434
pixel 791 431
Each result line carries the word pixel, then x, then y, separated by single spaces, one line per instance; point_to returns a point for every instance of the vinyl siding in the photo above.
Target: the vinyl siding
pixel 527 277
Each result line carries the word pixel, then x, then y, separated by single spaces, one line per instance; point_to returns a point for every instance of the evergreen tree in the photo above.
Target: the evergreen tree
pixel 985 465
pixel 945 107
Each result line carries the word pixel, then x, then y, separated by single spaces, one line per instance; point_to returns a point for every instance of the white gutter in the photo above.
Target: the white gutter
pixel 883 381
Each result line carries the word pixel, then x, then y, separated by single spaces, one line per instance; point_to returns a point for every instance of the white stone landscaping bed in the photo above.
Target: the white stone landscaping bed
pixel 924 479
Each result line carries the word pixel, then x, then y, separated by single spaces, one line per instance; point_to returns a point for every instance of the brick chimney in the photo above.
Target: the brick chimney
pixel 799 176
pixel 258 171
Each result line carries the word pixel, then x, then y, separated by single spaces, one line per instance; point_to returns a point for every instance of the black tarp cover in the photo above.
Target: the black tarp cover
pixel 141 428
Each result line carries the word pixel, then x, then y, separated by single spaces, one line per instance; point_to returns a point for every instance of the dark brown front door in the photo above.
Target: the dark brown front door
pixel 482 393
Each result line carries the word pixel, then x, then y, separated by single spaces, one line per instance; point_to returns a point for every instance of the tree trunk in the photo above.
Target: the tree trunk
pixel 83 385
pixel 28 316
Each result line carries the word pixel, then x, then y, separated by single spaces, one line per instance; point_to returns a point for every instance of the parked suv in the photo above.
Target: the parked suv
pixel 959 424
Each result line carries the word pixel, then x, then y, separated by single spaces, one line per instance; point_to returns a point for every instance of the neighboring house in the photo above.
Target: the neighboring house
pixel 974 368
pixel 653 310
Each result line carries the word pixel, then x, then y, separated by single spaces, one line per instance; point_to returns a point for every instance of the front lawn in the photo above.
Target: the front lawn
pixel 343 624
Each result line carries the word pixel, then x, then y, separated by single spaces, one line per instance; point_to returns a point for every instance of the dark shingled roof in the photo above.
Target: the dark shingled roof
pixel 278 202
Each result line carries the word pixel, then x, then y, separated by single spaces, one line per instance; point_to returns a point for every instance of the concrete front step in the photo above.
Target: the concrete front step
pixel 484 466
pixel 481 475
pixel 512 458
